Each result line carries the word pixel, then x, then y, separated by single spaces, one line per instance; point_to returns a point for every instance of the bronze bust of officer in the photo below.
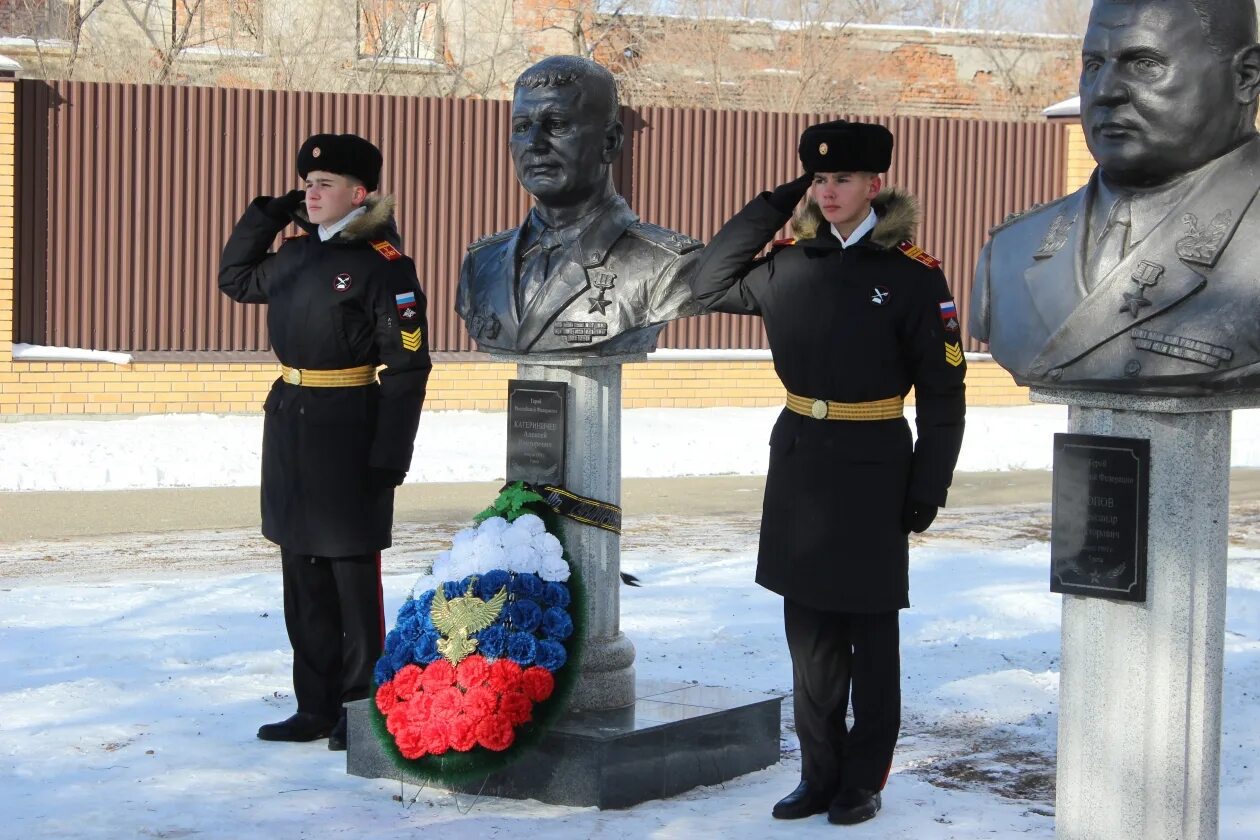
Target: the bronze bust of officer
pixel 1147 279
pixel 582 274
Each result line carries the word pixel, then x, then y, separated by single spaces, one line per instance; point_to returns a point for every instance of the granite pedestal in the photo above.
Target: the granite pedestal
pixel 673 738
pixel 1140 688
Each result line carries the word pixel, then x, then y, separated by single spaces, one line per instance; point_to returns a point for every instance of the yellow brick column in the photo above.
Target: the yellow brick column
pixel 1080 163
pixel 8 131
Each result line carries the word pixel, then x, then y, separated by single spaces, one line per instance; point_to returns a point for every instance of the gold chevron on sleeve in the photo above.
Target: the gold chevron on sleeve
pixel 953 354
pixel 411 340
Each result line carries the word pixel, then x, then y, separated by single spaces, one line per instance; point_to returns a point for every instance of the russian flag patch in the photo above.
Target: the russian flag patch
pixel 949 315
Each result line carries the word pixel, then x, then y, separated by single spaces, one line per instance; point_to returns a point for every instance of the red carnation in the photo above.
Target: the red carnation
pixel 447 703
pixel 505 676
pixel 386 700
pixel 410 744
pixel 537 683
pixel 420 706
pixel 480 702
pixel 434 737
pixel 515 707
pixel 472 672
pixel 396 720
pixel 407 681
pixel 463 734
pixel 437 676
pixel 495 733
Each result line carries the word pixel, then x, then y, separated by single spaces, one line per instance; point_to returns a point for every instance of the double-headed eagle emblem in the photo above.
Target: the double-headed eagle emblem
pixel 455 618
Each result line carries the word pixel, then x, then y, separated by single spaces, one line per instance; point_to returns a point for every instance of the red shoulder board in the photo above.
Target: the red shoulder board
pixel 917 254
pixel 301 235
pixel 386 250
pixel 782 243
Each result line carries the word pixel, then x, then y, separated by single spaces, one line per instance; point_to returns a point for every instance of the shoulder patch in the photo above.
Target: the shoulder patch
pixel 1012 218
pixel 386 250
pixel 491 238
pixel 917 254
pixel 302 235
pixel 670 240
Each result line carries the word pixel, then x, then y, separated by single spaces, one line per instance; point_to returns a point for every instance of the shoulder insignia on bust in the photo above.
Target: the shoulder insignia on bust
pixel 491 238
pixel 670 240
pixel 1012 218
pixel 917 254
pixel 386 250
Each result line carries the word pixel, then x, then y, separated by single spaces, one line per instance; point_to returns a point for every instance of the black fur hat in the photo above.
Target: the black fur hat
pixel 341 154
pixel 841 146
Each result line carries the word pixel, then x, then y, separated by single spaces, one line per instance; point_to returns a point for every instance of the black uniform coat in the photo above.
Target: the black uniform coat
pixel 849 325
pixel 336 304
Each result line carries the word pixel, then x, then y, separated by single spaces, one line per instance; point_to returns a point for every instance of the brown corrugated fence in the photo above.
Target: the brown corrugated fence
pixel 127 192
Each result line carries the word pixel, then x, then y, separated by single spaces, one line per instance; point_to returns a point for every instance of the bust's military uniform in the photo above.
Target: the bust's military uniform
pixel 337 311
pixel 611 289
pixel 1170 318
pixel 852 330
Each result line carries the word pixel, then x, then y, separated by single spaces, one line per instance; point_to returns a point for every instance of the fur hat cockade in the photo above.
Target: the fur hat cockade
pixel 341 154
pixel 841 146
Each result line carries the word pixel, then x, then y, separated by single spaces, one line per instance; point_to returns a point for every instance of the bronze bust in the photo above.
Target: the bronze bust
pixel 582 274
pixel 1146 280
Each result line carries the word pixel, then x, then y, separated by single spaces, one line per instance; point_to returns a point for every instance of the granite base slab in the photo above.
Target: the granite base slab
pixel 675 737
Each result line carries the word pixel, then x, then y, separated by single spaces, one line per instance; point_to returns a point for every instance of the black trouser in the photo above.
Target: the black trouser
pixel 334 613
pixel 835 657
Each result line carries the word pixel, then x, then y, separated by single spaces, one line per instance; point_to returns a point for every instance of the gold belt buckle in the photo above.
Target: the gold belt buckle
pixel 818 410
pixel 293 376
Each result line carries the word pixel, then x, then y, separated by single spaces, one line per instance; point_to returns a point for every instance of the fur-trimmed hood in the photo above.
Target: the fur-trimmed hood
pixel 898 214
pixel 376 223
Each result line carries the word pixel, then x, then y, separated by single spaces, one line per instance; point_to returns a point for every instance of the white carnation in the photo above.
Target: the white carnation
pixel 462 551
pixel 516 535
pixel 493 525
pixel 463 567
pixel 464 536
pixel 530 523
pixel 547 545
pixel 553 568
pixel 442 566
pixel 523 559
pixel 423 585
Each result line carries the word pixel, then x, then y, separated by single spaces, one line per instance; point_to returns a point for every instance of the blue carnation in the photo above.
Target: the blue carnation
pixel 492 642
pixel 557 624
pixel 521 649
pixel 527 586
pixel 551 655
pixel 407 610
pixel 392 640
pixel 400 657
pixel 457 588
pixel 556 594
pixel 426 649
pixel 408 627
pixel 424 610
pixel 492 582
pixel 384 671
pixel 524 615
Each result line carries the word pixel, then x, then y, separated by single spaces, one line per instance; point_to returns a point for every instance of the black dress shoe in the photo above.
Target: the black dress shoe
pixel 337 738
pixel 853 806
pixel 803 802
pixel 301 727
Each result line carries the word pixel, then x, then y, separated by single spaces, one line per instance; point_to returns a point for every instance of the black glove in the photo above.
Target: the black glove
pixel 917 517
pixel 281 207
pixel 786 196
pixel 385 479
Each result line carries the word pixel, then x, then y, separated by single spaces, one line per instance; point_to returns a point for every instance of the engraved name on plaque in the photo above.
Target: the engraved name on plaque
pixel 535 439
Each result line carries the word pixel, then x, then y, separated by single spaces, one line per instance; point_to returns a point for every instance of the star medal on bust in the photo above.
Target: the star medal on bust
pixel 602 280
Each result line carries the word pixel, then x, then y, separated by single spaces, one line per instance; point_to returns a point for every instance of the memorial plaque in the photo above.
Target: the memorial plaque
pixel 535 439
pixel 1099 516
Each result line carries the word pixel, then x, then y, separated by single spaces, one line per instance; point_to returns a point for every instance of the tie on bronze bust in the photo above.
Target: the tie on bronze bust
pixel 535 262
pixel 1114 243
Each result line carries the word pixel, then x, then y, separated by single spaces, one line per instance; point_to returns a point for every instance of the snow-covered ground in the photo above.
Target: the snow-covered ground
pixel 205 450
pixel 128 704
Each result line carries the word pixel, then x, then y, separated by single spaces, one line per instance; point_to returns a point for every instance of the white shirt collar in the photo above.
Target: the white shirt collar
pixel 327 232
pixel 868 225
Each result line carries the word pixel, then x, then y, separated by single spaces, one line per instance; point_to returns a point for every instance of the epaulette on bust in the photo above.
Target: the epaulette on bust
pixel 670 240
pixel 491 238
pixel 1012 218
pixel 917 254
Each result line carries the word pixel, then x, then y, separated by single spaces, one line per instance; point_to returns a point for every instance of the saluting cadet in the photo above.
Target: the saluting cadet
pixel 343 301
pixel 856 316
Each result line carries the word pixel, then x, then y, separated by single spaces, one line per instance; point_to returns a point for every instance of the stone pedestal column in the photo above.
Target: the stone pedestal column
pixel 592 458
pixel 1140 686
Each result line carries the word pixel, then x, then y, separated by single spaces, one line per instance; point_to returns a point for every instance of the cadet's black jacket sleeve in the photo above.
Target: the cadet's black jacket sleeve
pixel 403 344
pixel 937 370
pixel 728 277
pixel 246 269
